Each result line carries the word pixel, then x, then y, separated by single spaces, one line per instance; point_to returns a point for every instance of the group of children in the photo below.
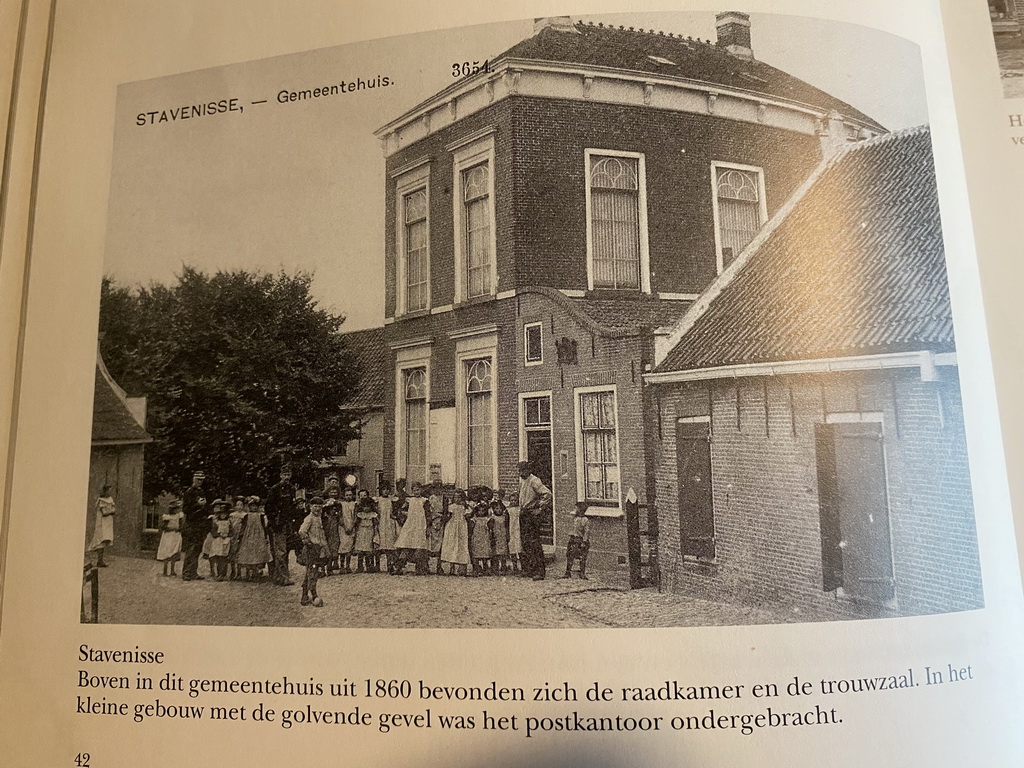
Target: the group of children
pixel 237 545
pixel 474 533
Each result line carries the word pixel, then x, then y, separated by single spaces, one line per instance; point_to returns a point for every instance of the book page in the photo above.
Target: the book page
pixel 988 74
pixel 475 385
pixel 23 45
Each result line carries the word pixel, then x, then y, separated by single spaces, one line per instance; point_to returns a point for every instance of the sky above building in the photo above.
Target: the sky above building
pixel 299 185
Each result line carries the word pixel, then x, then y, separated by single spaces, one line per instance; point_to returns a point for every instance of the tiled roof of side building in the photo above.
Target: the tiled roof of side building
pixel 658 53
pixel 112 422
pixel 371 353
pixel 856 267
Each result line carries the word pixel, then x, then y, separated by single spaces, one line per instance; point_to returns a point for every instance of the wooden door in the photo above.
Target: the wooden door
pixel 696 499
pixel 854 504
pixel 538 453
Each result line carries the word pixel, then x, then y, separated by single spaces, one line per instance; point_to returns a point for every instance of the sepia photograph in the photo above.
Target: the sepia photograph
pixel 1007 26
pixel 622 321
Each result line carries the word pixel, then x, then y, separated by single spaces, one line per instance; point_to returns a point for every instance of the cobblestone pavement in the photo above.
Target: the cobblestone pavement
pixel 133 591
pixel 1011 70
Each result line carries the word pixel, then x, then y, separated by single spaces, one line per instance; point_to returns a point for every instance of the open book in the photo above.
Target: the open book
pixel 456 385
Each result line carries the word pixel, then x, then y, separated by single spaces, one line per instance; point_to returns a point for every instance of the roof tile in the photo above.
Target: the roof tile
pixel 111 419
pixel 371 353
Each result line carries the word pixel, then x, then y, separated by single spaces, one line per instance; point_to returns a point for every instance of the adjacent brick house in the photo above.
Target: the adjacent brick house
pixel 810 438
pixel 548 219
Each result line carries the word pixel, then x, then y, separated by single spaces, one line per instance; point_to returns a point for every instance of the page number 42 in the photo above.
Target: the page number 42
pixel 82 760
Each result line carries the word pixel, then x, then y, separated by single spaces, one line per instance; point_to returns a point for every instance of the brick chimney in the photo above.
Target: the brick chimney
pixel 734 33
pixel 557 23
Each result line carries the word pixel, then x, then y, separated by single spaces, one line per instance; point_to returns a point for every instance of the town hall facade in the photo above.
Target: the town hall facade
pixel 548 221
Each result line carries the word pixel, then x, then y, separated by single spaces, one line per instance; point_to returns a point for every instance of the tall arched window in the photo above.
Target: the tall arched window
pixel 739 210
pixel 417 268
pixel 615 221
pixel 476 191
pixel 479 422
pixel 416 424
pixel 412 239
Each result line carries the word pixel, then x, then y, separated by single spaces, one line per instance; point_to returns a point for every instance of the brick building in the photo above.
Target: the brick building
pixel 548 219
pixel 810 436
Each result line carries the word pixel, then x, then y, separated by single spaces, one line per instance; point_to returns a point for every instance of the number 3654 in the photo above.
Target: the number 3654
pixel 466 68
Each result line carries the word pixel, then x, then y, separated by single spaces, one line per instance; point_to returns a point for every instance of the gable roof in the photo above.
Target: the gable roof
pixel 112 421
pixel 856 267
pixel 371 353
pixel 621 48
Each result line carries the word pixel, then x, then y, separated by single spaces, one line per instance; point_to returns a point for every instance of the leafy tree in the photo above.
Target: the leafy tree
pixel 240 368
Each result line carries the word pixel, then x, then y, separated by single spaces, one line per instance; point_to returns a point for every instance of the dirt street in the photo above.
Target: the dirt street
pixel 133 591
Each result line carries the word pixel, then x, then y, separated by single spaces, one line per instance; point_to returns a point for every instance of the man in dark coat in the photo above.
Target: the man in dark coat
pixel 534 501
pixel 283 519
pixel 196 526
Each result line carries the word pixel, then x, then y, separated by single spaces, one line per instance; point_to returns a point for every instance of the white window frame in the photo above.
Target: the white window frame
pixel 465 157
pixel 581 481
pixel 407 183
pixel 417 356
pixel 763 203
pixel 645 256
pixel 467 349
pixel 526 345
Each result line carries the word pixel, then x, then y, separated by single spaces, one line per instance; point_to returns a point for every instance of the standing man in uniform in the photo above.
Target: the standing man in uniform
pixel 534 501
pixel 196 526
pixel 281 513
